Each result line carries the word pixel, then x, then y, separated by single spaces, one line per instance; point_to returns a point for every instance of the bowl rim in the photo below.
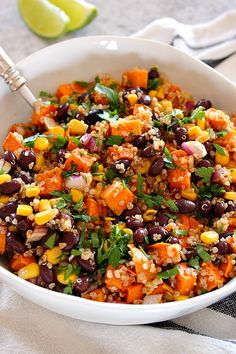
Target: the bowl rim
pixel 210 297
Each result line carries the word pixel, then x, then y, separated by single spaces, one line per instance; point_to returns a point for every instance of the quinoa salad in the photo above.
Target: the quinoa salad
pixel 121 191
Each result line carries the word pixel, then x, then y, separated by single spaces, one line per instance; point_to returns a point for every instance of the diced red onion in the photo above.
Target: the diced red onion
pixel 76 181
pixel 194 148
pixel 216 176
pixel 91 142
pixel 85 139
pixel 39 232
pixel 186 148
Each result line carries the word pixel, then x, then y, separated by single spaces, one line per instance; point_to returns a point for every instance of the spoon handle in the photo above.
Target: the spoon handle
pixel 13 78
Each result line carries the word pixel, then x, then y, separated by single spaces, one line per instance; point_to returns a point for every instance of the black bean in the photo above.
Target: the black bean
pixel 172 240
pixel 65 217
pixel 185 206
pixel 155 116
pixel 153 73
pixel 11 159
pixel 148 151
pixel 145 99
pixel 139 235
pixel 92 117
pixel 219 209
pixel 204 207
pixel 132 212
pixel 174 125
pixel 71 238
pixel 27 160
pixel 231 207
pixel 225 234
pixel 14 244
pixel 204 163
pixel 162 217
pixel 140 141
pixel 8 209
pixel 204 103
pixel 157 230
pixel 82 284
pixel 87 265
pixel 61 156
pixel 181 135
pixel 80 116
pixel 190 254
pixel 224 247
pixel 133 223
pixel 46 274
pixel 134 89
pixel 23 225
pixel 156 167
pixel 120 166
pixel 10 187
pixel 25 177
pixel 62 112
pixel 207 145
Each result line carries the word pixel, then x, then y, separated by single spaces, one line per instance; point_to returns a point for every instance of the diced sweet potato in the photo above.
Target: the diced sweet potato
pixel 227 267
pixel 121 283
pixel 38 116
pixel 53 181
pixel 162 289
pixel 144 267
pixel 94 209
pixel 212 278
pixel 135 78
pixel 165 253
pixel 12 143
pixel 19 261
pixel 217 119
pixel 118 153
pixel 81 159
pixel 186 279
pixel 125 127
pixel 117 196
pixel 229 141
pixel 96 295
pixel 179 177
pixel 69 89
pixel 134 292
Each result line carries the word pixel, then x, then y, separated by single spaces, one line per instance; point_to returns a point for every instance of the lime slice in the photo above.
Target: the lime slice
pixel 80 12
pixel 44 18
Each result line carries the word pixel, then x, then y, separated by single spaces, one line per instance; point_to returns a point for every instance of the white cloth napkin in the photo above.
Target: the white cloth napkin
pixel 26 328
pixel 210 42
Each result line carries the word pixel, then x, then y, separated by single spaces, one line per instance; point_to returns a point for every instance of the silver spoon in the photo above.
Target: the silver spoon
pixel 14 79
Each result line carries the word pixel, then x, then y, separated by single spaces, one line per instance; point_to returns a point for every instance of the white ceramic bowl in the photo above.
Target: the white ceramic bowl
pixel 82 59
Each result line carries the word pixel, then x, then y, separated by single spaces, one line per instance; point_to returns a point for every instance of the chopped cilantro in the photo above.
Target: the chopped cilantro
pixel 219 228
pixel 110 175
pixel 222 133
pixel 112 95
pixel 31 139
pixel 171 204
pixel 51 241
pixel 203 291
pixel 76 252
pixel 210 191
pixel 152 200
pixel 82 217
pixel 59 143
pixel 181 232
pixel 168 273
pixel 45 94
pixel 205 173
pixel 94 167
pixel 153 83
pixel 68 289
pixel 71 170
pixel 95 240
pixel 61 204
pixel 109 116
pixel 82 83
pixel 76 140
pixel 219 149
pixel 197 114
pixel 168 159
pixel 65 196
pixel 194 262
pixel 114 140
pixel 203 254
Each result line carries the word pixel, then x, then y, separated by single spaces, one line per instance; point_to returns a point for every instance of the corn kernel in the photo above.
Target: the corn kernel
pixel 39 162
pixel 128 231
pixel 233 175
pixel 166 105
pixel 194 132
pixel 29 271
pixel 201 123
pixel 204 137
pixel 76 195
pixel 24 210
pixel 160 93
pixel 144 166
pixel 132 98
pixel 4 199
pixel 54 201
pixel 209 237
pixel 64 99
pixel 109 219
pixel 149 214
pixel 41 144
pixel 223 160
pixel 152 93
pixel 70 279
pixel 98 189
pixel 45 216
pixel 189 194
pixel 4 178
pixel 73 106
pixel 99 176
pixel 232 221
pixel 57 131
pixel 181 297
pixel 32 191
pixel 44 204
pixel 77 127
pixel 53 256
pixel 230 195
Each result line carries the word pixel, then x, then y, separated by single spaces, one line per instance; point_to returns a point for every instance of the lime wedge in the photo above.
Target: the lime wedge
pixel 44 18
pixel 80 12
